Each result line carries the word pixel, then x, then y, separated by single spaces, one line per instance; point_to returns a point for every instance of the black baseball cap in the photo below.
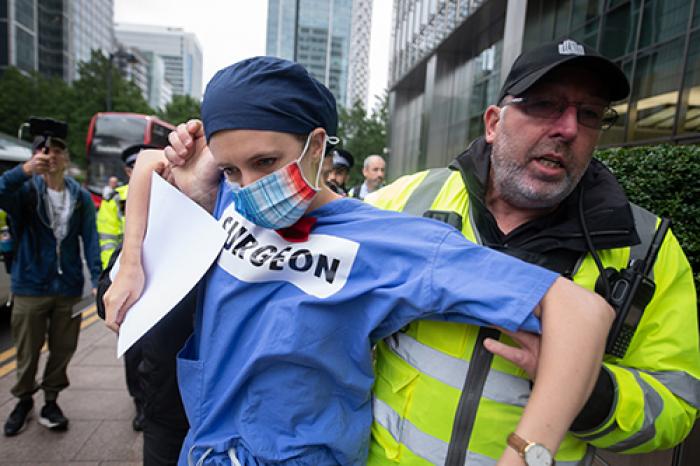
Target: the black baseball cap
pixel 130 153
pixel 533 65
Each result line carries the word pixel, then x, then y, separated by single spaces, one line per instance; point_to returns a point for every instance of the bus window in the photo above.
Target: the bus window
pixel 159 135
pixel 111 135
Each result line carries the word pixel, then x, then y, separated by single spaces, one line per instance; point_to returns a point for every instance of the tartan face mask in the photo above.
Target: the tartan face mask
pixel 279 199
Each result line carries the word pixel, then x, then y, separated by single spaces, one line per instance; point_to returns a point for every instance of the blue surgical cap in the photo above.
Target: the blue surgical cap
pixel 269 94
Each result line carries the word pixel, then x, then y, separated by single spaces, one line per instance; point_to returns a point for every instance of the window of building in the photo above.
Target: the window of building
pixel 24 13
pixel 561 20
pixel 583 11
pixel 3 8
pixel 614 3
pixel 25 49
pixel 662 20
pixel 655 92
pixel 620 30
pixel 588 34
pixel 696 16
pixel 690 121
pixel 3 49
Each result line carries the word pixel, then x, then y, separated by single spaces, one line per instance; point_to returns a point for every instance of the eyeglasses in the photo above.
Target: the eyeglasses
pixel 594 116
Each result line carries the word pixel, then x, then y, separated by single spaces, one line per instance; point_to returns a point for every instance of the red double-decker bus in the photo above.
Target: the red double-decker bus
pixel 108 135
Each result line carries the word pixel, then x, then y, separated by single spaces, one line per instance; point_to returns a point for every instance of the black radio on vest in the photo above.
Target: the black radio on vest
pixel 630 292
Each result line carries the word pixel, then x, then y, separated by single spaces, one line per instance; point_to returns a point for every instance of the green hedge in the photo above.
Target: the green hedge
pixel 664 179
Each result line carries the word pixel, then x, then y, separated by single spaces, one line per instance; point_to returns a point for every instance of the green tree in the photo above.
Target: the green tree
pixel 17 100
pixel 180 109
pixel 25 95
pixel 362 134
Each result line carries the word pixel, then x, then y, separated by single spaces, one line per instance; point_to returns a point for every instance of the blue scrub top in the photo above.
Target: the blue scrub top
pixel 279 368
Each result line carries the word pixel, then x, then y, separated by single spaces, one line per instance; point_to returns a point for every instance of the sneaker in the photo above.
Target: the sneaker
pixel 19 417
pixel 139 420
pixel 52 417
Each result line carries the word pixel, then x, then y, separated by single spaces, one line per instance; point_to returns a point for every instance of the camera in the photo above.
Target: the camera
pixel 45 128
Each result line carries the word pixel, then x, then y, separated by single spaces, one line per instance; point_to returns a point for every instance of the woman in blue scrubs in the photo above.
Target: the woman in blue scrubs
pixel 279 368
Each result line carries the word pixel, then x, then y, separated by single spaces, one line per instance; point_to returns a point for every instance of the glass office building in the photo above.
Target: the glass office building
pixel 332 42
pixel 53 36
pixel 449 58
pixel 179 50
pixel 92 26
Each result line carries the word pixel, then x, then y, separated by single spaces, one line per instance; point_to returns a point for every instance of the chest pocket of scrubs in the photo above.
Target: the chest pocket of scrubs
pixel 189 379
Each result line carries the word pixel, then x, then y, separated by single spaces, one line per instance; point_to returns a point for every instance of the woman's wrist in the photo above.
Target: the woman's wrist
pixel 131 256
pixel 511 457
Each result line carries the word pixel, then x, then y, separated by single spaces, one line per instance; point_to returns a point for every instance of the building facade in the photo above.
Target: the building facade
pixel 180 52
pixel 329 37
pixel 92 28
pixel 449 58
pixel 54 36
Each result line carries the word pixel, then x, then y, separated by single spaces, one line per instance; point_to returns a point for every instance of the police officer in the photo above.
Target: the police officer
pixel 530 188
pixel 342 162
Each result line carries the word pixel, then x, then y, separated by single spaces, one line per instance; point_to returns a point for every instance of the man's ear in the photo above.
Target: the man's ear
pixel 492 116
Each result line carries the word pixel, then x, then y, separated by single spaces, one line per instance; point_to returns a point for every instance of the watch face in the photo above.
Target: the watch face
pixel 537 455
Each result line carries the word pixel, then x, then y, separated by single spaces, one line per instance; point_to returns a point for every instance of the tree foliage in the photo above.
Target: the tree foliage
pixel 181 109
pixel 664 179
pixel 26 95
pixel 362 134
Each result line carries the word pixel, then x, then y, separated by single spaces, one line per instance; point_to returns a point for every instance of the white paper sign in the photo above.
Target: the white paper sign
pixel 319 266
pixel 182 241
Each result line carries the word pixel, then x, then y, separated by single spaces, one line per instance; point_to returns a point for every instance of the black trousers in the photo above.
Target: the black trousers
pixel 132 361
pixel 166 424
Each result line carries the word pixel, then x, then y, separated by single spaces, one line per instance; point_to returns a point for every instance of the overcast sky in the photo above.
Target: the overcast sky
pixel 230 30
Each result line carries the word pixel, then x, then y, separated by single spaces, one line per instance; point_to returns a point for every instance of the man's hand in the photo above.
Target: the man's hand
pixel 192 166
pixel 38 164
pixel 526 356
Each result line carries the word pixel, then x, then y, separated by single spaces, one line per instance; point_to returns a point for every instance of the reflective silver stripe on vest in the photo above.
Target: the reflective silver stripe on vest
pixel 106 237
pixel 422 198
pixel 108 246
pixel 645 224
pixel 653 405
pixel 681 384
pixel 501 387
pixel 433 449
pixel 421 444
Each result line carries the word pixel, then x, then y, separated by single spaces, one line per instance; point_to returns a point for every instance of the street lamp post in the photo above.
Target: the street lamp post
pixel 121 55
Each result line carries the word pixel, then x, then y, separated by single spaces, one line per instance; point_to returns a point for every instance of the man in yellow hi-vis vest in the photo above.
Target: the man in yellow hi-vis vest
pixel 530 188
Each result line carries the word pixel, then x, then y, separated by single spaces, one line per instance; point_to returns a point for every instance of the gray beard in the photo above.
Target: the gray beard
pixel 510 179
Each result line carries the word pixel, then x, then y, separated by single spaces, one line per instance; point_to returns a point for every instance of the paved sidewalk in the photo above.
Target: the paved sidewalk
pixel 97 404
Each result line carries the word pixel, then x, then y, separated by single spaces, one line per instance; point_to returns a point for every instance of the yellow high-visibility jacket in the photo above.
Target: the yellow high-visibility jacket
pixel 420 372
pixel 110 223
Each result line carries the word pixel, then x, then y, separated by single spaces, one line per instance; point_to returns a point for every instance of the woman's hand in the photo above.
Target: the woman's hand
pixel 191 164
pixel 125 290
